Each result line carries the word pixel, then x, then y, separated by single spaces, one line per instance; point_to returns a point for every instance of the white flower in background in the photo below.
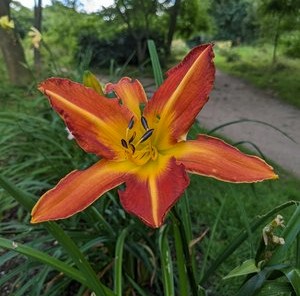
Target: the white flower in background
pixel 36 37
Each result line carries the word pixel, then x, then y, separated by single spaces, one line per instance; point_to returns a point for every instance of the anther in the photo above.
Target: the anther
pixel 144 123
pixel 132 148
pixel 124 143
pixel 132 137
pixel 146 135
pixel 131 123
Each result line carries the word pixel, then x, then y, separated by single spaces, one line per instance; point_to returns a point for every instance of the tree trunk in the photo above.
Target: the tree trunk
pixel 276 40
pixel 37 25
pixel 12 51
pixel 172 25
pixel 139 51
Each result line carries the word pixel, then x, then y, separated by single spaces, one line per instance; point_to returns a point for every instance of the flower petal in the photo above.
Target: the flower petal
pixel 149 193
pixel 130 92
pixel 183 94
pixel 212 157
pixel 78 190
pixel 97 123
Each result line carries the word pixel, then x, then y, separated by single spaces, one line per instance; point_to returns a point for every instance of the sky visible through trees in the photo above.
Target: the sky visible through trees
pixel 88 5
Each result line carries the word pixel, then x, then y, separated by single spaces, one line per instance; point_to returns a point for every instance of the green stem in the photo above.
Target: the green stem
pixel 186 252
pixel 183 280
pixel 298 252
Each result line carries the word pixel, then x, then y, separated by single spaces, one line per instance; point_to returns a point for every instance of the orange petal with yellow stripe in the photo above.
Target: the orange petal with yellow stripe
pixel 212 157
pixel 97 123
pixel 151 192
pixel 78 190
pixel 182 95
pixel 130 92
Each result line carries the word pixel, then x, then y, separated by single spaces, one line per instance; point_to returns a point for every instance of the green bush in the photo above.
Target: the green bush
pixel 119 48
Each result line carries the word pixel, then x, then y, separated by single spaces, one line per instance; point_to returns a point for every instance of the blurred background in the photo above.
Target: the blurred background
pixel 256 40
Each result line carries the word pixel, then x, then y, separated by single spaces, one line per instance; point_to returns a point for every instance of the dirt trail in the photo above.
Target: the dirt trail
pixel 233 99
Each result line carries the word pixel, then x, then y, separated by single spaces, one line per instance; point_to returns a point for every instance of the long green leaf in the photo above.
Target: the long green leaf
pixel 43 258
pixel 182 273
pixel 136 286
pixel 255 283
pixel 166 261
pixel 247 267
pixel 298 252
pixel 185 214
pixel 25 199
pixel 157 72
pixel 293 276
pixel 275 288
pixel 119 262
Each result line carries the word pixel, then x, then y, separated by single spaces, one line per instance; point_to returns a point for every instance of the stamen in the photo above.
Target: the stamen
pixel 132 137
pixel 144 123
pixel 124 143
pixel 130 126
pixel 132 148
pixel 146 136
pixel 131 123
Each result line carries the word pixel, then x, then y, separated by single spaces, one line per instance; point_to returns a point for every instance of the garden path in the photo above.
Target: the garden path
pixel 233 99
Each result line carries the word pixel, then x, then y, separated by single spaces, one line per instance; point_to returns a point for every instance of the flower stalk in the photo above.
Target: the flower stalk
pixel 185 246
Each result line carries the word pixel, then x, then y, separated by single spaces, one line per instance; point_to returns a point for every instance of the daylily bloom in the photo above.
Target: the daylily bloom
pixel 147 150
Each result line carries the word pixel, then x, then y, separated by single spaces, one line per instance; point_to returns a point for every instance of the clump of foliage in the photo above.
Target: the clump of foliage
pixel 121 48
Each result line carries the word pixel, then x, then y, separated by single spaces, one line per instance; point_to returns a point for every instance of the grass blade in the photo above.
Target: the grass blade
pixel 293 276
pixel 119 262
pixel 166 261
pixel 157 72
pixel 182 273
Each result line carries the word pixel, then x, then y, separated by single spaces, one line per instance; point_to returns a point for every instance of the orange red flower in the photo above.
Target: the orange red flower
pixel 147 150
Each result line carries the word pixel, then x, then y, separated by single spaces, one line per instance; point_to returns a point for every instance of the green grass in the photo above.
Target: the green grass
pixel 253 63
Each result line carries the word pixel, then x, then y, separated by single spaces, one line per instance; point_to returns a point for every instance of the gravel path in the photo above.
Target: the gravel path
pixel 233 99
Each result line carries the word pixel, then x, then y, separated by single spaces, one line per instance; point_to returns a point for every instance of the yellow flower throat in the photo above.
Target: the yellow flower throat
pixel 139 151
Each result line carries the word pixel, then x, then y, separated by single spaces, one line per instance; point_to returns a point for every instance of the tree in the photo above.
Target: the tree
pixel 174 12
pixel 234 20
pixel 38 25
pixel 138 17
pixel 193 18
pixel 164 17
pixel 12 51
pixel 279 10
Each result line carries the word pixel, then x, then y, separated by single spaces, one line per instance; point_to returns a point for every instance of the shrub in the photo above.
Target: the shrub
pixel 119 48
